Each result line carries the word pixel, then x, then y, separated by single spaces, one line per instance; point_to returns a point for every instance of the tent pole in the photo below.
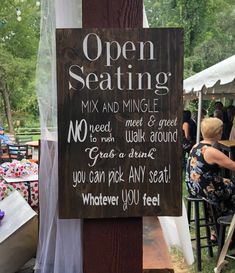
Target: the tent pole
pixel 199 115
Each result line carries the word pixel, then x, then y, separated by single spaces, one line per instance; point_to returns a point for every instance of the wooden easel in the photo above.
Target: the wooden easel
pixel 112 245
pixel 221 260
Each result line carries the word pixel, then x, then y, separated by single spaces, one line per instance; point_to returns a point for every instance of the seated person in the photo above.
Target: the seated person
pixel 203 169
pixel 4 140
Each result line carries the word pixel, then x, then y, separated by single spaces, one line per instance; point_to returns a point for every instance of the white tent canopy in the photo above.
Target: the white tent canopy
pixel 217 81
pixel 214 82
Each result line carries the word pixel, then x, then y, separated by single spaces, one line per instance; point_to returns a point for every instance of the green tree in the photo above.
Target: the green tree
pixel 18 51
pixel 208 28
pixel 217 42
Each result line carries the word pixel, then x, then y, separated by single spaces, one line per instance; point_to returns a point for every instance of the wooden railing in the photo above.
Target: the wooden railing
pixel 28 131
pixel 23 135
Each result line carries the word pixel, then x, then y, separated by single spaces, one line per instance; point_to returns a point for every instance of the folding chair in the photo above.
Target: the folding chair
pixel 17 151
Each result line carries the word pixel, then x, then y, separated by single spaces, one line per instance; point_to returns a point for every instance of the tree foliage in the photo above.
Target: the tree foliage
pixel 18 51
pixel 208 28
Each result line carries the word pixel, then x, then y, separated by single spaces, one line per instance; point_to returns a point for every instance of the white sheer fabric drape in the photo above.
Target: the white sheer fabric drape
pixel 176 233
pixel 145 20
pixel 59 248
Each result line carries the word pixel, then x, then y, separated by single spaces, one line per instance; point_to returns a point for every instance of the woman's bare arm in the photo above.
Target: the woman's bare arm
pixel 214 156
pixel 186 130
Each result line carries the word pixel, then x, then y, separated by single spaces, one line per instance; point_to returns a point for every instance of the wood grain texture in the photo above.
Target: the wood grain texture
pixel 164 167
pixel 156 258
pixel 112 13
pixel 131 235
pixel 113 245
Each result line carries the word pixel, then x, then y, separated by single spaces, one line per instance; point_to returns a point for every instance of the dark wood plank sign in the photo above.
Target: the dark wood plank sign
pixel 119 122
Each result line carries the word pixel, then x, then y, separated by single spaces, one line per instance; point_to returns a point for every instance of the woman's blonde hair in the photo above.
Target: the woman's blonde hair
pixel 211 128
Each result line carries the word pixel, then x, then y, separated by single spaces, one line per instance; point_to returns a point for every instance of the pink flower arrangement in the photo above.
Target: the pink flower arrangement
pixel 17 168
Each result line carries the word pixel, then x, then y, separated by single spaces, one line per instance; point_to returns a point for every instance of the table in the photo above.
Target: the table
pixel 228 147
pixel 34 143
pixel 35 146
pixel 27 179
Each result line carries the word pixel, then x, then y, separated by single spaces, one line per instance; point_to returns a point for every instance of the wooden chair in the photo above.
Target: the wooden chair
pixel 22 140
pixel 17 151
pixel 4 157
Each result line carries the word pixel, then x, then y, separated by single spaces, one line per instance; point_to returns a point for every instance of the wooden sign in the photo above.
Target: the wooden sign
pixel 119 122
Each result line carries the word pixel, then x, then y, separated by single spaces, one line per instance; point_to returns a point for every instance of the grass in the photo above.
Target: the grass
pixel 208 263
pixel 36 137
pixel 179 263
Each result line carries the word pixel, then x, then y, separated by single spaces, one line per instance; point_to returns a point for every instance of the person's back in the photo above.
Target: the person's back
pixel 203 168
pixel 187 142
pixel 193 130
pixel 186 124
pixel 199 174
pixel 4 138
pixel 226 131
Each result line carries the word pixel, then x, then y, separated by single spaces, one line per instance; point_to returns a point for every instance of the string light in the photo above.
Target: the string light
pixel 18 11
pixel 18 15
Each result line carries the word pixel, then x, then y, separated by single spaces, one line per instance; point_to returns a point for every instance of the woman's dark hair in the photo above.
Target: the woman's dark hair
pixel 186 116
pixel 218 114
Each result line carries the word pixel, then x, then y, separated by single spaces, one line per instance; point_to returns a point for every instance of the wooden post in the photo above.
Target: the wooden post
pixel 112 245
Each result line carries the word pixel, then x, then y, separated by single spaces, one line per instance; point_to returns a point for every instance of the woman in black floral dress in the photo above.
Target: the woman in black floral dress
pixel 203 169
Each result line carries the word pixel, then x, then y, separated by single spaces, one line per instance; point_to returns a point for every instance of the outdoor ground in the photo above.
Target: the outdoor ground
pixel 208 264
pixel 178 262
